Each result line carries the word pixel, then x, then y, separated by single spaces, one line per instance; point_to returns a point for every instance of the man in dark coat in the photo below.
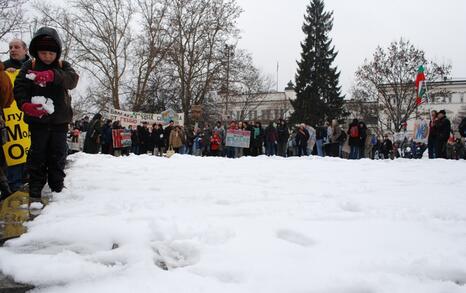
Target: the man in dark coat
pixel 271 137
pixel 431 140
pixel 258 140
pixel 166 133
pixel 107 138
pixel 51 78
pixel 302 136
pixel 93 135
pixel 443 128
pixel 283 135
pixel 157 139
pixel 386 147
pixel 18 56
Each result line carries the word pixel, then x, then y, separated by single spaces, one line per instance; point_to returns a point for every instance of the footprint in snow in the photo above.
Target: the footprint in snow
pixel 351 207
pixel 175 255
pixel 295 237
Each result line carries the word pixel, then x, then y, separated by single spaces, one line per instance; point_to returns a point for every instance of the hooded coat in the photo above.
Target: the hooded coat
pixel 65 79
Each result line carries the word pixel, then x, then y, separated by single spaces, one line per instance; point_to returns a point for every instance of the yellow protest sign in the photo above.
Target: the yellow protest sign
pixel 19 140
pixel 12 76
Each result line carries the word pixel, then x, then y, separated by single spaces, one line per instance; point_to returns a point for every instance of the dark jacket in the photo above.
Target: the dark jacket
pixel 258 135
pixel 386 147
pixel 107 134
pixel 17 64
pixel 283 133
pixel 302 136
pixel 157 137
pixel 362 133
pixel 271 135
pixel 462 127
pixel 443 127
pixel 93 136
pixel 65 79
pixel 166 134
pixel 321 132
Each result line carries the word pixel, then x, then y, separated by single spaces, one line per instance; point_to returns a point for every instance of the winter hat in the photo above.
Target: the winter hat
pixel 47 43
pixel 442 112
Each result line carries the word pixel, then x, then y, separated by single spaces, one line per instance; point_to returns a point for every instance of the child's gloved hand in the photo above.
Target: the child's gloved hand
pixel 41 78
pixel 34 110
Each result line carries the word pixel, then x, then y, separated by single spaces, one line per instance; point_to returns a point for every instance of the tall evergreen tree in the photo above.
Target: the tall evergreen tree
pixel 318 94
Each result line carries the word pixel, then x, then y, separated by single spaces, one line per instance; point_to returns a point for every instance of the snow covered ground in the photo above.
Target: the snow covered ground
pixel 298 225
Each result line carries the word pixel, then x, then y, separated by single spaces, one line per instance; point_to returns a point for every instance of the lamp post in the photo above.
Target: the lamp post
pixel 229 50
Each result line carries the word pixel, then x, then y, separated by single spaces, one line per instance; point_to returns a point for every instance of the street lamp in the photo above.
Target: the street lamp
pixel 229 50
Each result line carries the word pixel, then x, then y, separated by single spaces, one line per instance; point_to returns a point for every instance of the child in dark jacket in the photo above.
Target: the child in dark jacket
pixel 47 77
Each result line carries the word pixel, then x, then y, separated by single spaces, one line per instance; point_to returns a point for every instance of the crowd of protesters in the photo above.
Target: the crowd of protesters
pixel 356 141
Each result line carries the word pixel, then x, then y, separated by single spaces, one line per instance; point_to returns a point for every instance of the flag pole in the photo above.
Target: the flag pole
pixel 428 99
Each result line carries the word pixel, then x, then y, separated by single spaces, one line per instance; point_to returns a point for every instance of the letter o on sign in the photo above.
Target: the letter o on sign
pixel 16 151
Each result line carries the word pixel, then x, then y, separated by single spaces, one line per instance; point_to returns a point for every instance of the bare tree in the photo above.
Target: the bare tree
pixel 101 30
pixel 67 26
pixel 388 79
pixel 200 30
pixel 11 16
pixel 150 47
pixel 249 87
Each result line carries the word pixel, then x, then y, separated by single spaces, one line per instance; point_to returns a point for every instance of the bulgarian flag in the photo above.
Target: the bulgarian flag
pixel 420 85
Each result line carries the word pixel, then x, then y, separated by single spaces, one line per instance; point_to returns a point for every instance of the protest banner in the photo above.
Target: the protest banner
pixel 134 119
pixel 238 138
pixel 421 131
pixel 121 138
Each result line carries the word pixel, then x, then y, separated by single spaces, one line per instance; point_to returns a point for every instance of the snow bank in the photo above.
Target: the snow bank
pixel 248 225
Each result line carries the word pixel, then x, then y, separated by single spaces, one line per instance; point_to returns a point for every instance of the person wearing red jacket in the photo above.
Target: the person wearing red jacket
pixel 215 143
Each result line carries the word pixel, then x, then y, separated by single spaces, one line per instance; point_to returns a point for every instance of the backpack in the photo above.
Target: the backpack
pixel 354 131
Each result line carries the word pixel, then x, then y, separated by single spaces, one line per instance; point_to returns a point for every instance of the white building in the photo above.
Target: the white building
pixel 453 102
pixel 266 107
pixel 261 107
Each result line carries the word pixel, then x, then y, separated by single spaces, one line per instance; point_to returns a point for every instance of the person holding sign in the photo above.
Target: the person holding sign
pixel 46 77
pixel 6 97
pixel 16 165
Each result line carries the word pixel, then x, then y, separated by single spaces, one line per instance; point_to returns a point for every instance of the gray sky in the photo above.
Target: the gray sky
pixel 271 31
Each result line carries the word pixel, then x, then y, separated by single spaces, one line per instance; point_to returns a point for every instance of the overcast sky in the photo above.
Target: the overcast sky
pixel 271 31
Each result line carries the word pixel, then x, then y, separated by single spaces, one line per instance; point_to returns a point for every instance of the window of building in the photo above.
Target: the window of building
pixel 462 98
pixel 264 114
pixel 254 115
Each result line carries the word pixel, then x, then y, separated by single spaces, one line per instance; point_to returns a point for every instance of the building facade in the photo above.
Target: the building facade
pixel 258 107
pixel 448 95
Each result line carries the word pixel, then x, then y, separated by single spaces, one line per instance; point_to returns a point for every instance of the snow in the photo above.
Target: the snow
pixel 47 104
pixel 300 225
